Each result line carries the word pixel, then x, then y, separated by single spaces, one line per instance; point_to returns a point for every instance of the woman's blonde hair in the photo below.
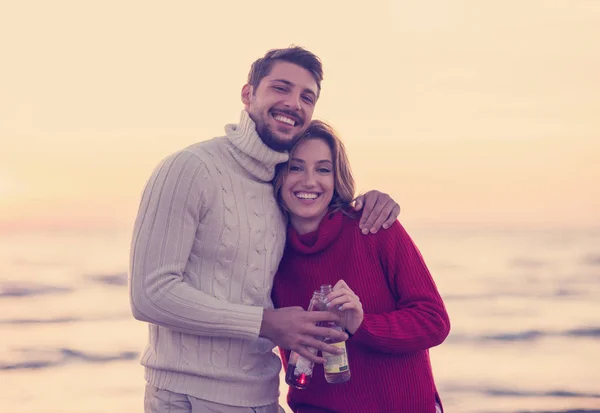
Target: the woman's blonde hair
pixel 344 187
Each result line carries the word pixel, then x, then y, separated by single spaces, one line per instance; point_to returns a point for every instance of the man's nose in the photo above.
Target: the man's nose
pixel 294 101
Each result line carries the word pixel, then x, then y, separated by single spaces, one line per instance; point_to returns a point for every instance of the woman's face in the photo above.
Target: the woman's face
pixel 308 186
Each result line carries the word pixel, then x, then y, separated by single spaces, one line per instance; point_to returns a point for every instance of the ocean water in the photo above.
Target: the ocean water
pixel 524 305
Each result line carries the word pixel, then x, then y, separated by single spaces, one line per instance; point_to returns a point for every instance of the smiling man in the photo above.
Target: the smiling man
pixel 282 103
pixel 207 242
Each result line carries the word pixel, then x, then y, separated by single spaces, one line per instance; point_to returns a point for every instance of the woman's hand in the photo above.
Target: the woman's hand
pixel 347 304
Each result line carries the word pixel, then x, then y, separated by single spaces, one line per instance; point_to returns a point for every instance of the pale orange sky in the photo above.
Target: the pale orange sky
pixel 469 113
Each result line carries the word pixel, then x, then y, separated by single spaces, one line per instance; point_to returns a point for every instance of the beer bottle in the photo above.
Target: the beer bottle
pixel 300 369
pixel 337 369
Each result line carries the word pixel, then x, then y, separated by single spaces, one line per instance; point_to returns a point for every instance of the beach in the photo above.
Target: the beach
pixel 524 307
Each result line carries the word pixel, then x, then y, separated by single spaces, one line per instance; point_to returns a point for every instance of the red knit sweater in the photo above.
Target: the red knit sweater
pixel 404 316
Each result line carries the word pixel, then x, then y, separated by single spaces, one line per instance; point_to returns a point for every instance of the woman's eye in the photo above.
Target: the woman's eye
pixel 324 170
pixel 294 168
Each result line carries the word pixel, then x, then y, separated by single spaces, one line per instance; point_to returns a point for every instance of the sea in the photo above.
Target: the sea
pixel 524 306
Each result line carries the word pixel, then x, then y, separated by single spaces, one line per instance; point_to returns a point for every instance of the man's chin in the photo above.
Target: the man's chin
pixel 279 143
pixel 276 140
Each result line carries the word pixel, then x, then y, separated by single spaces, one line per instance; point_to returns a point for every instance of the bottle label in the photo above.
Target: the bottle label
pixel 336 363
pixel 303 366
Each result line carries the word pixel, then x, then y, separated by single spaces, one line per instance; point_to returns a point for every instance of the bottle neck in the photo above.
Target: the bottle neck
pixel 325 289
pixel 315 301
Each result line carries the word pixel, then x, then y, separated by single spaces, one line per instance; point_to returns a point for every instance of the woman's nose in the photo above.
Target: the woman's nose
pixel 309 179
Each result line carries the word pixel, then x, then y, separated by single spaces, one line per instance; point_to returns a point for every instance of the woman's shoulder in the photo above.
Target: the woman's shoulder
pixel 351 222
pixel 386 238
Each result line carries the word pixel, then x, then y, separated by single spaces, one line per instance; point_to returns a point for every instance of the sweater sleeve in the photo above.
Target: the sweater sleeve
pixel 171 210
pixel 420 320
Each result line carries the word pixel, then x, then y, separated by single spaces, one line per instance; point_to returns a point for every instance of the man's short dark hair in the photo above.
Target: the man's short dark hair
pixel 293 54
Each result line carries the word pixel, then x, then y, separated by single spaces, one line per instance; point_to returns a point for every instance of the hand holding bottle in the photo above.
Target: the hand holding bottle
pixel 295 329
pixel 344 302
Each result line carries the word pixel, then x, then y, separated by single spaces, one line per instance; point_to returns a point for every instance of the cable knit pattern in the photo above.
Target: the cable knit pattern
pixel 207 241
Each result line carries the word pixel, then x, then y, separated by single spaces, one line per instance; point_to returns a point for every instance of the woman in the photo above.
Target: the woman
pixel 386 297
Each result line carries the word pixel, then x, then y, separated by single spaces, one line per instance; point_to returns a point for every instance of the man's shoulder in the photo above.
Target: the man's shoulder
pixel 199 156
pixel 205 154
pixel 206 150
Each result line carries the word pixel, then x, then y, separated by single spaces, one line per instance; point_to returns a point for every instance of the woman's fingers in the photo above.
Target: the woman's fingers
pixel 350 306
pixel 340 293
pixel 340 300
pixel 339 284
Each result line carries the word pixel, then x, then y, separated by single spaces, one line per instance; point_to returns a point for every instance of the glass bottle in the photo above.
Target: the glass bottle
pixel 299 370
pixel 337 369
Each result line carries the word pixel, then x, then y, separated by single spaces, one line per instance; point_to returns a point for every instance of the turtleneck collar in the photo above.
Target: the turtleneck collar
pixel 249 150
pixel 317 241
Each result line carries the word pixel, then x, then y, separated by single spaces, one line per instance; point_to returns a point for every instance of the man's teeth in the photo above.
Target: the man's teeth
pixel 306 195
pixel 285 119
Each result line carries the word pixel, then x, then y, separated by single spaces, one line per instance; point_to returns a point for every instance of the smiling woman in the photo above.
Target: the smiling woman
pixel 382 289
pixel 317 177
pixel 308 187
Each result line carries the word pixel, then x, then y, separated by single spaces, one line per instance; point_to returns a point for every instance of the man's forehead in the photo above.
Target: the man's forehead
pixel 292 74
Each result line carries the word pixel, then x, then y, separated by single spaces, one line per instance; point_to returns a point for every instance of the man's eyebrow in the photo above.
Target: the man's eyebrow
pixel 287 82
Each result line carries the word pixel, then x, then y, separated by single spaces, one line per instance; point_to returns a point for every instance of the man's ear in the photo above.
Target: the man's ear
pixel 246 94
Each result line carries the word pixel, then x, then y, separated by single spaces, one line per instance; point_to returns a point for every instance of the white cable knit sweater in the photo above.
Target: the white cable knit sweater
pixel 207 242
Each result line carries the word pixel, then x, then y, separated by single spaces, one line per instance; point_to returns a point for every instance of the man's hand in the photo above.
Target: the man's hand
pixel 295 329
pixel 380 210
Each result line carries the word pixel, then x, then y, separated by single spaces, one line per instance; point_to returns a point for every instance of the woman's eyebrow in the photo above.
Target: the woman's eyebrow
pixel 303 161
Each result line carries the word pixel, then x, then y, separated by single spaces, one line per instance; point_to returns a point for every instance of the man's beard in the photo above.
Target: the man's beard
pixel 269 138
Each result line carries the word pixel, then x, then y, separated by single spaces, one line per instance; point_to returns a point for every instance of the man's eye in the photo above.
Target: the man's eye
pixel 308 99
pixel 279 88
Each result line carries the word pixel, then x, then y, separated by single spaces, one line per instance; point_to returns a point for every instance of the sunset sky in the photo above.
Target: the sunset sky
pixel 469 113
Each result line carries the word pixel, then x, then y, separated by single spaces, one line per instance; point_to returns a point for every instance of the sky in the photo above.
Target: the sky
pixel 469 113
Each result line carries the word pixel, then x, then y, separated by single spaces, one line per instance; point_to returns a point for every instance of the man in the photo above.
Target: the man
pixel 207 241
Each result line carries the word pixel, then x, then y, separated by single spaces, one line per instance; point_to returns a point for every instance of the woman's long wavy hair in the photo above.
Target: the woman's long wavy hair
pixel 344 186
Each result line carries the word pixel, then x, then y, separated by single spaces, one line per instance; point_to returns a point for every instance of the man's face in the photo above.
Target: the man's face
pixel 282 105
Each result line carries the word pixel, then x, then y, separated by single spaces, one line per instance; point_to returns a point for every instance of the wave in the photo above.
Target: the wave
pixel 496 392
pixel 27 290
pixel 63 320
pixel 505 392
pixel 529 335
pixel 18 289
pixel 118 279
pixel 522 262
pixel 561 411
pixel 62 356
pixel 591 260
pixel 557 293
pixel 58 320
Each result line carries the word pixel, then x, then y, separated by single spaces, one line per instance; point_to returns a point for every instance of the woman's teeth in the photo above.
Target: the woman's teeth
pixel 306 195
